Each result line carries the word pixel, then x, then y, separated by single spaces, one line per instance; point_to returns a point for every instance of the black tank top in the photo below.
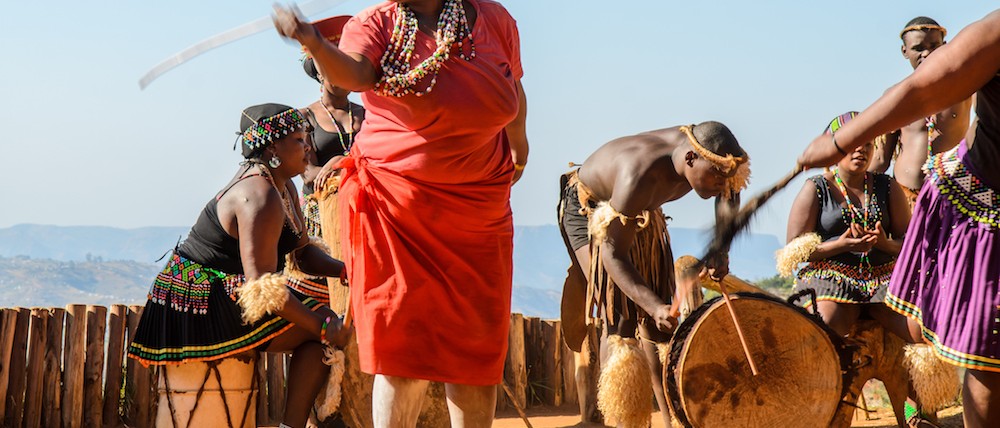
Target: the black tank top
pixel 329 144
pixel 209 244
pixel 984 155
pixel 832 214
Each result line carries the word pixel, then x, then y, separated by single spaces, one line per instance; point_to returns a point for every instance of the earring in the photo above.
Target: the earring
pixel 690 157
pixel 274 162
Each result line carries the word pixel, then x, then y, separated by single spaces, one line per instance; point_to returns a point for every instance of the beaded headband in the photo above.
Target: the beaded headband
pixel 924 27
pixel 727 164
pixel 268 129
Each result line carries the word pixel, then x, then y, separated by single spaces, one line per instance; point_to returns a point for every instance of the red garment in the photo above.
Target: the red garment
pixel 429 226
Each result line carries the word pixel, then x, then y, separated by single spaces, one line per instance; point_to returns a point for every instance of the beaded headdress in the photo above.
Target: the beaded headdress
pixel 263 124
pixel 924 27
pixel 738 166
pixel 839 122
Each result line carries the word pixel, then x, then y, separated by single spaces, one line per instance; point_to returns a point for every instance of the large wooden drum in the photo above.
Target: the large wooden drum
pixel 708 378
pixel 218 393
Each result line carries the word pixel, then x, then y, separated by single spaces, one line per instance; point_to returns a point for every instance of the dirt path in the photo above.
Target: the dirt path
pixel 567 417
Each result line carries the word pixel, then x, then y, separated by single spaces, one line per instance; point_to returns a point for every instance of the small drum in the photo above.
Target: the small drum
pixel 708 378
pixel 219 393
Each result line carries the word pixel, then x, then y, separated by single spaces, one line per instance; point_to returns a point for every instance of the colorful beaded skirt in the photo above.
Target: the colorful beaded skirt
pixel 191 315
pixel 844 283
pixel 947 277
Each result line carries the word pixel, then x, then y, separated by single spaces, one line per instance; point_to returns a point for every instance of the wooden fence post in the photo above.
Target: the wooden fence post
pixel 18 376
pixel 116 352
pixel 8 324
pixel 569 374
pixel 276 385
pixel 514 370
pixel 52 376
pixel 143 409
pixel 75 351
pixel 93 373
pixel 263 415
pixel 552 362
pixel 36 365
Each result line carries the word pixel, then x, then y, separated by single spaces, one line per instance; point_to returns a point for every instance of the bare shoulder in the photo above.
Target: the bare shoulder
pixel 252 195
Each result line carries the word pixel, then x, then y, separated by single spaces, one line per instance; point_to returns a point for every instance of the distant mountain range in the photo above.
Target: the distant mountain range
pixel 54 266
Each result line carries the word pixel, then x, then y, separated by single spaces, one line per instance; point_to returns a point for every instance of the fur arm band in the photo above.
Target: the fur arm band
pixel 261 296
pixel 796 252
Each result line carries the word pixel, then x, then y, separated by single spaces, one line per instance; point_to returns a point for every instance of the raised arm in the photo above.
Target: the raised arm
pixel 351 71
pixel 517 134
pixel 951 74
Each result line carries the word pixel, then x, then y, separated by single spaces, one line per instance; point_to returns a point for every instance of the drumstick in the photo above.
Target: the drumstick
pixel 739 330
pixel 517 406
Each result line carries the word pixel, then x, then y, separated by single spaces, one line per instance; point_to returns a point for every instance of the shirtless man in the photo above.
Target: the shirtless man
pixel 921 36
pixel 624 183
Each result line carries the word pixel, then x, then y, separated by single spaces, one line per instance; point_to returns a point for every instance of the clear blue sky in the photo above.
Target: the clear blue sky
pixel 84 146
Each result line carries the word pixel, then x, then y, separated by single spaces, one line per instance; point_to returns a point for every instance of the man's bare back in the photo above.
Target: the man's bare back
pixel 638 172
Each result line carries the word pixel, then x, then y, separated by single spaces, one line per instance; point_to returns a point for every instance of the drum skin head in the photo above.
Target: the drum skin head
pixel 709 381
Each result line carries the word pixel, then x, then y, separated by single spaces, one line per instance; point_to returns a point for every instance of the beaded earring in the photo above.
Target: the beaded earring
pixel 274 162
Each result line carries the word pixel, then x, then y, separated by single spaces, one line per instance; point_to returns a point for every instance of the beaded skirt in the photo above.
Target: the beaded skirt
pixel 844 283
pixel 191 315
pixel 947 277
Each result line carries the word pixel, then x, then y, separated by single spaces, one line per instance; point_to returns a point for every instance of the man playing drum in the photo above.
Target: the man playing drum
pixel 612 222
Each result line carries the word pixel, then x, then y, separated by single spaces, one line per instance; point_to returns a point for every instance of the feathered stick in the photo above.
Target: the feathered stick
pixel 727 229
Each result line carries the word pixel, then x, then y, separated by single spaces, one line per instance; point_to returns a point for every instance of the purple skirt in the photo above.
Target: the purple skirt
pixel 947 276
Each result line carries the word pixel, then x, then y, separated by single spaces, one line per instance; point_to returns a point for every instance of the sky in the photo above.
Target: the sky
pixel 83 145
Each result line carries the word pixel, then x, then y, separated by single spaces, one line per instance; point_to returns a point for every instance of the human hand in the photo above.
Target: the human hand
pixel 290 24
pixel 517 174
pixel 820 153
pixel 855 241
pixel 336 334
pixel 716 266
pixel 326 172
pixel 881 239
pixel 664 319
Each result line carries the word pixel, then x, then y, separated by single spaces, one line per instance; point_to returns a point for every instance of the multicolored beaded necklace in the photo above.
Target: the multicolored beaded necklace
pixel 398 77
pixel 854 213
pixel 932 134
pixel 349 129
pixel 293 217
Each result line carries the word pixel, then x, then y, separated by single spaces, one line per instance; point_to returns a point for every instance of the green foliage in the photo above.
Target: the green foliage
pixel 777 285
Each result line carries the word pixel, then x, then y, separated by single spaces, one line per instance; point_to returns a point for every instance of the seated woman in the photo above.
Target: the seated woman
pixel 220 295
pixel 848 224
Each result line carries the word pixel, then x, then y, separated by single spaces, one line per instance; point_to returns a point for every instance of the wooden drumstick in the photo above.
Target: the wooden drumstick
pixel 739 330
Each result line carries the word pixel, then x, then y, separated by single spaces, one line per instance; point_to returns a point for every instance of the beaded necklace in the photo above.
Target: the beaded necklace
pixel 932 134
pixel 398 77
pixel 293 218
pixel 854 213
pixel 338 126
